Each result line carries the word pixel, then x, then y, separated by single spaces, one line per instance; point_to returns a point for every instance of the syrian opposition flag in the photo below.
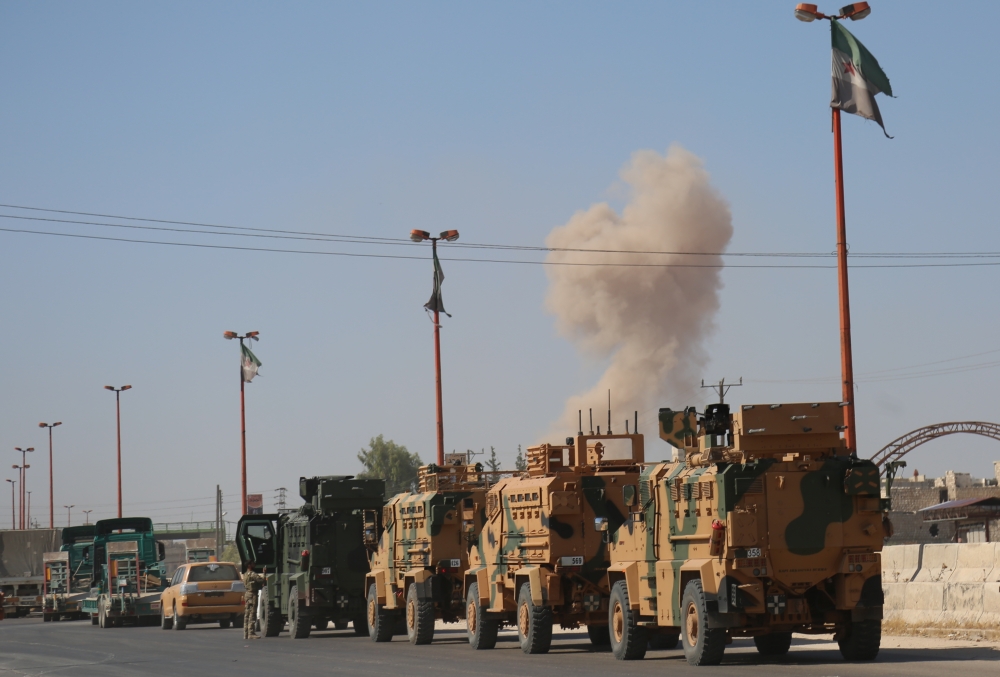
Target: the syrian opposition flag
pixel 250 364
pixel 857 77
pixel 436 304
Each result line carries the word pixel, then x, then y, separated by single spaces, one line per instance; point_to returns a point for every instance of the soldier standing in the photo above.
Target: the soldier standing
pixel 252 582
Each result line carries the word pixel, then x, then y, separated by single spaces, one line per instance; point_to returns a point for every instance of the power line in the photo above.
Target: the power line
pixel 360 239
pixel 476 260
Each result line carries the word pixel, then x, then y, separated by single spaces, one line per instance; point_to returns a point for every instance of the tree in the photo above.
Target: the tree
pixel 386 460
pixel 493 463
pixel 520 463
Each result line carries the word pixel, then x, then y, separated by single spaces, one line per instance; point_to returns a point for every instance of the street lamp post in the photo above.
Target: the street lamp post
pixel 807 12
pixel 251 336
pixel 86 516
pixel 435 306
pixel 13 512
pixel 118 414
pixel 52 512
pixel 69 518
pixel 24 478
pixel 28 512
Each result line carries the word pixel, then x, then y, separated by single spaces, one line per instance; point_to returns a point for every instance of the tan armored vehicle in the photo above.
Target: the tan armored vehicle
pixel 542 557
pixel 418 570
pixel 763 526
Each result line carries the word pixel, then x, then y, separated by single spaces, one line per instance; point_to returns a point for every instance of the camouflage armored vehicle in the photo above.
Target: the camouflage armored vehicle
pixel 418 570
pixel 316 556
pixel 542 557
pixel 764 525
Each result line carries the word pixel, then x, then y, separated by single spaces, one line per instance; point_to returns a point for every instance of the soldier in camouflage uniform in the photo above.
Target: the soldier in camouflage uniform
pixel 252 582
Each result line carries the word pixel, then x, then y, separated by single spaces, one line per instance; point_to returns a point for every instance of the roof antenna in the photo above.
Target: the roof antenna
pixel 626 427
pixel 609 411
pixel 722 388
pixel 591 421
pixel 579 417
pixel 635 428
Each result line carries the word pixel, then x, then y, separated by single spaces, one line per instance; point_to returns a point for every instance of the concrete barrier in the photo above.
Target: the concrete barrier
pixel 942 585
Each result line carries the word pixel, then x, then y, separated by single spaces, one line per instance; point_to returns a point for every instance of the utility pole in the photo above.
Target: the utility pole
pixel 722 388
pixel 279 501
pixel 118 414
pixel 218 521
pixel 52 511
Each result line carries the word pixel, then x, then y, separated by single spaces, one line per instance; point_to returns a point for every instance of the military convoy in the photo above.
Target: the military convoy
pixel 764 525
pixel 316 557
pixel 418 567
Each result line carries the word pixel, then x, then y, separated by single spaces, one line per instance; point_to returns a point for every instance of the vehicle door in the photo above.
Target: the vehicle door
pixel 256 541
pixel 169 595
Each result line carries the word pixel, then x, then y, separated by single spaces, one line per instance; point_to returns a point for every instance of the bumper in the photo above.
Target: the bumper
pixel 221 610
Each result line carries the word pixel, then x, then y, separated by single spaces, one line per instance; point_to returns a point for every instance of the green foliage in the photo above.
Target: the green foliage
pixel 493 463
pixel 384 459
pixel 520 463
pixel 230 554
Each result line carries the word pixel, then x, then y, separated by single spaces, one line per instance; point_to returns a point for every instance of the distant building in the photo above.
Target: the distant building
pixel 946 509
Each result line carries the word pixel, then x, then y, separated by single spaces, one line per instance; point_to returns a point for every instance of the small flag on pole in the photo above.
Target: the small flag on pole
pixel 436 303
pixel 250 363
pixel 857 77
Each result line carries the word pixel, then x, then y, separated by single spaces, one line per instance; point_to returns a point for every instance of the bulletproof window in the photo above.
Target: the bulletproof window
pixel 534 496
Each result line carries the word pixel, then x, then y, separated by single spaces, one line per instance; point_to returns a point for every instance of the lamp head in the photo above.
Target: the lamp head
pixel 228 335
pixel 253 335
pixel 419 235
pixel 57 423
pixel 109 387
pixel 856 11
pixel 126 387
pixel 806 11
pixel 449 235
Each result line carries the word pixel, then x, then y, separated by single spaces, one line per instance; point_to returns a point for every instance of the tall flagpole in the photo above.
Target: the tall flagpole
pixel 846 356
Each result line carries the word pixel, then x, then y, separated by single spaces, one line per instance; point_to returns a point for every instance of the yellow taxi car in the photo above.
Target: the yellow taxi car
pixel 202 592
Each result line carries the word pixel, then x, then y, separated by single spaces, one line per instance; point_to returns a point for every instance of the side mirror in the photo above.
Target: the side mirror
pixel 161 551
pixel 600 524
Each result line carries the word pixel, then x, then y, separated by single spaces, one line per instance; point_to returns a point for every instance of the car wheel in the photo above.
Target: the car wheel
pixel 180 623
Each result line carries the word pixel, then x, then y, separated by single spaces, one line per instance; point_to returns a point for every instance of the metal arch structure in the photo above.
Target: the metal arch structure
pixel 903 445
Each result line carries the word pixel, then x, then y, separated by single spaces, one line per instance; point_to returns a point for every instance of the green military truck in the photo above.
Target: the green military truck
pixel 316 557
pixel 129 573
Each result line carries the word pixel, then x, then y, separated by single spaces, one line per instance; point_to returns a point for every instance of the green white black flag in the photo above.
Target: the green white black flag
pixel 857 77
pixel 436 304
pixel 250 363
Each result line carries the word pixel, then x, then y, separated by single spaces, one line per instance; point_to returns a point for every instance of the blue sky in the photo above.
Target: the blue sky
pixel 501 120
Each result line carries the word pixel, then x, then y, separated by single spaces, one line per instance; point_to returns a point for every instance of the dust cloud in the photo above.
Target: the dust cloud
pixel 650 322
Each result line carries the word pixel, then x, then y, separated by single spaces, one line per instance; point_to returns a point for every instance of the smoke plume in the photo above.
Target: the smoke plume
pixel 650 321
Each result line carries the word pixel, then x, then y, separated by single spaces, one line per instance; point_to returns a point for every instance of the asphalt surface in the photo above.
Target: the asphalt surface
pixel 29 647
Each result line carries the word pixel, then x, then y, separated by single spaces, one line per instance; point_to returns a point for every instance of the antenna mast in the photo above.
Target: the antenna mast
pixel 722 388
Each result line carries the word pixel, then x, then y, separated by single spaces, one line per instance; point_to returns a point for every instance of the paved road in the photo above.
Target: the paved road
pixel 29 647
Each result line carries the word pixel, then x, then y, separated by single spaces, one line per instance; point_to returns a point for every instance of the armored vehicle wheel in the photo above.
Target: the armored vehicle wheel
pixel 600 635
pixel 534 623
pixel 627 637
pixel 664 641
pixel 482 630
pixel 165 623
pixel 360 626
pixel 340 625
pixel 298 615
pixel 702 645
pixel 322 624
pixel 379 620
pixel 419 617
pixel 861 641
pixel 271 623
pixel 774 644
pixel 180 623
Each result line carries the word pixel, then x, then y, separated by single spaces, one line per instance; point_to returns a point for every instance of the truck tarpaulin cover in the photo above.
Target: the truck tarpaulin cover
pixel 21 551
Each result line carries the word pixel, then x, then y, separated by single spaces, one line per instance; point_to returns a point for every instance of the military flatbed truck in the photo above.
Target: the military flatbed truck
pixel 418 570
pixel 765 525
pixel 316 557
pixel 129 574
pixel 542 557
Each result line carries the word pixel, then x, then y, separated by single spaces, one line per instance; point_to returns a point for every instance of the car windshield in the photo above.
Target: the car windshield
pixel 213 572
